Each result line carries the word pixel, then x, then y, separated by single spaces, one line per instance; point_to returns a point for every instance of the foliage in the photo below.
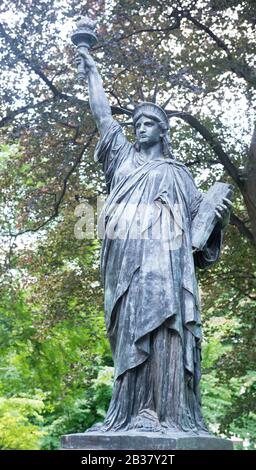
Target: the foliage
pixel 61 360
pixel 82 413
pixel 229 356
pixel 21 423
pixel 55 363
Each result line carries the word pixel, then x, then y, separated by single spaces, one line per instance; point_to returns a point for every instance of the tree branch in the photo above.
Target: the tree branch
pixel 250 182
pixel 111 92
pixel 20 56
pixel 220 43
pixel 212 141
pixel 251 163
pixel 234 220
pixel 122 37
pixel 241 69
pixel 120 110
pixel 23 109
pixel 72 169
pixel 198 162
pixel 61 194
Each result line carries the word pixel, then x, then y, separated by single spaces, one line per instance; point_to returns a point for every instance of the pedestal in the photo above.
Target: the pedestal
pixel 132 440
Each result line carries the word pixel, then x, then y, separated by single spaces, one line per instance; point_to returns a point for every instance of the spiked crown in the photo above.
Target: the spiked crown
pixel 151 110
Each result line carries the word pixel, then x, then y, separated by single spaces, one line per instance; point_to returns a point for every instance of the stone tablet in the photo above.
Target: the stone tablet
pixel 205 219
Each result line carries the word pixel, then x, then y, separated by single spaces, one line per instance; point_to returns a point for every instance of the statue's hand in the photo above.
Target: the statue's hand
pixel 84 59
pixel 222 211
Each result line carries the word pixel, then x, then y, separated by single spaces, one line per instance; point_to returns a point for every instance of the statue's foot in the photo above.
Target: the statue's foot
pixel 147 421
pixel 95 427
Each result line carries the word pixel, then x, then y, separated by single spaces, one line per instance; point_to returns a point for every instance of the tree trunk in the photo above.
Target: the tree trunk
pixel 250 185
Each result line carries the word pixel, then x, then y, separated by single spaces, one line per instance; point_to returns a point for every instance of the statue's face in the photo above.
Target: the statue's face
pixel 148 131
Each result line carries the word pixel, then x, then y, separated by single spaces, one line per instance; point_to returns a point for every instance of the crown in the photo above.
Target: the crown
pixel 151 110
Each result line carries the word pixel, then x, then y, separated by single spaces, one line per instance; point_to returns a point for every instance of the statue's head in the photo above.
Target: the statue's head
pixel 146 112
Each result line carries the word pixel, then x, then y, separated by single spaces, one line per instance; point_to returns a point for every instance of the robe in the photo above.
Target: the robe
pixel 151 301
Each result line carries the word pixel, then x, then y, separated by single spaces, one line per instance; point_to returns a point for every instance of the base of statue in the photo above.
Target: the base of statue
pixel 132 440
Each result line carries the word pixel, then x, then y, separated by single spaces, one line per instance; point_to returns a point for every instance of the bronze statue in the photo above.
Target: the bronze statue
pixel 148 269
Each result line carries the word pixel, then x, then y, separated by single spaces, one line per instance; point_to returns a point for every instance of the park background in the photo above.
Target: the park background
pixel 55 364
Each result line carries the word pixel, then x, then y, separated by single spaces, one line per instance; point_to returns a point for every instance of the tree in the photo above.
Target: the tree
pixel 195 57
pixel 209 67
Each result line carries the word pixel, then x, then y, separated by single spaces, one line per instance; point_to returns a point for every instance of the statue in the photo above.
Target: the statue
pixel 148 264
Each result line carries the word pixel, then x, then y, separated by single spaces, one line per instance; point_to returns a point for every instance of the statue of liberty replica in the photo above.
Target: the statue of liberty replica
pixel 158 229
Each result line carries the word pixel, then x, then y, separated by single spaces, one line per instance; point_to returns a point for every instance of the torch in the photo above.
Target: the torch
pixel 84 37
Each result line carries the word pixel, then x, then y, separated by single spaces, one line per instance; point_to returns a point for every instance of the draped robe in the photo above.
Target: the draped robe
pixel 152 310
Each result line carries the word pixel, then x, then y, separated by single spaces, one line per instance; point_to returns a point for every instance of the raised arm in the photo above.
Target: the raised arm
pixel 97 97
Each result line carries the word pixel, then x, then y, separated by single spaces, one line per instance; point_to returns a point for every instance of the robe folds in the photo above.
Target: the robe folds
pixel 152 309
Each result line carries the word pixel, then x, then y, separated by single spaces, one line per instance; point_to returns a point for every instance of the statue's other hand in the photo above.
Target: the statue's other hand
pixel 83 58
pixel 222 212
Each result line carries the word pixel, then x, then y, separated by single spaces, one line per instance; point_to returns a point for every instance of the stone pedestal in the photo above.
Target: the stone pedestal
pixel 131 440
